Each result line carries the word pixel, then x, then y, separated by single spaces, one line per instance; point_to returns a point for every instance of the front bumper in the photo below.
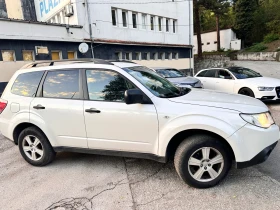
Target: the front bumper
pixel 259 158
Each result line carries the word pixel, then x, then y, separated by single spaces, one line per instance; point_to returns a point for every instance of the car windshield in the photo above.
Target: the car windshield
pixel 243 73
pixel 157 85
pixel 170 73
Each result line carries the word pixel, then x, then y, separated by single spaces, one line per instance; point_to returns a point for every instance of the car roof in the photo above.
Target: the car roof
pixel 125 64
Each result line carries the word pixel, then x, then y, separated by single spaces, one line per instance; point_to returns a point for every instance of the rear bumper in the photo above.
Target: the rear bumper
pixel 259 158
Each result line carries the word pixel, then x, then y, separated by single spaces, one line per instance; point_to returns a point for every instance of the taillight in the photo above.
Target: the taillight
pixel 3 105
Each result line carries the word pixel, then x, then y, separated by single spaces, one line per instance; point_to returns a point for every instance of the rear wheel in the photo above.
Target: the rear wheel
pixel 35 147
pixel 246 92
pixel 202 161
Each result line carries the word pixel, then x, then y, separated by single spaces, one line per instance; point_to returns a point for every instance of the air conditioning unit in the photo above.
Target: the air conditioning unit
pixel 69 10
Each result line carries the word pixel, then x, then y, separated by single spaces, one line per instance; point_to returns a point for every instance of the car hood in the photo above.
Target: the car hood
pixel 222 100
pixel 188 80
pixel 264 81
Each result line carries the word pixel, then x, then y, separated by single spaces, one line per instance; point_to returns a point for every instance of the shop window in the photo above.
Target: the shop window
pixel 8 55
pixel 28 55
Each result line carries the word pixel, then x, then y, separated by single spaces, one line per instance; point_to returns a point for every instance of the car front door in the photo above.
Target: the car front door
pixel 111 124
pixel 225 81
pixel 208 78
pixel 58 108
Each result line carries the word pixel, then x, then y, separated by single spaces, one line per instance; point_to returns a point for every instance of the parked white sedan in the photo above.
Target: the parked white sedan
pixel 242 81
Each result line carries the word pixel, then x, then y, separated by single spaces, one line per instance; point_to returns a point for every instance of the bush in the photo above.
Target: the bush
pixel 257 48
pixel 270 38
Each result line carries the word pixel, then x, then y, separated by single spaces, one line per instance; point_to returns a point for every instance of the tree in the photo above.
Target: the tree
pixel 244 19
pixel 197 4
pixel 219 8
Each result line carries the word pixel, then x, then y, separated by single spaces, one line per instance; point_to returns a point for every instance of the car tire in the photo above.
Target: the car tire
pixel 35 148
pixel 246 92
pixel 197 171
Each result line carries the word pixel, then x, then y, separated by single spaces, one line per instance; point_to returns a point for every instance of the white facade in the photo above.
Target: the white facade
pixel 209 41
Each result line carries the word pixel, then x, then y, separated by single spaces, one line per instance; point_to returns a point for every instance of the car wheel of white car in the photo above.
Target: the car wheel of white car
pixel 35 147
pixel 246 92
pixel 202 161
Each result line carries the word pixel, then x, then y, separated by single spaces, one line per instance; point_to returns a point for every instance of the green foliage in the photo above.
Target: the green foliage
pixel 270 38
pixel 258 47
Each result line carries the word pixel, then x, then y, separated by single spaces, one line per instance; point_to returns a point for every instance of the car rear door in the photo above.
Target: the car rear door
pixel 225 81
pixel 58 108
pixel 208 78
pixel 111 124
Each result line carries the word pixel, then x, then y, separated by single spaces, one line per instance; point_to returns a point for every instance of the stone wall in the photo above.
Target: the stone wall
pixel 211 61
pixel 257 56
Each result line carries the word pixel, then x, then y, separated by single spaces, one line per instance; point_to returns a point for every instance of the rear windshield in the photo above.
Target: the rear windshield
pixel 26 84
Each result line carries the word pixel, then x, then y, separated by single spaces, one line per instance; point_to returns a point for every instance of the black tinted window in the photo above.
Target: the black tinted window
pixel 224 74
pixel 201 74
pixel 210 73
pixel 26 84
pixel 106 85
pixel 62 84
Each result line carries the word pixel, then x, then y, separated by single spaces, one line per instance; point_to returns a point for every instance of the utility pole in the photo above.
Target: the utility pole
pixel 90 27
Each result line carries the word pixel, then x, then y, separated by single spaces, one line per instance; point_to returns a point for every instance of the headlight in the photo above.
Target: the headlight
pixel 265 88
pixel 263 120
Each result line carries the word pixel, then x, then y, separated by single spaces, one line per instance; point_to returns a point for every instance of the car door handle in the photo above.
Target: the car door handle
pixel 39 106
pixel 92 110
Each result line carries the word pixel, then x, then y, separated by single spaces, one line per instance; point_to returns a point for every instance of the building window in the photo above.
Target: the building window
pixel 170 56
pixel 162 56
pixel 144 20
pixel 155 56
pixel 159 23
pixel 134 20
pixel 56 55
pixel 215 42
pixel 176 56
pixel 114 17
pixel 208 43
pixel 167 25
pixel 28 55
pixel 118 55
pixel 128 56
pixel 152 22
pixel 124 18
pixel 72 55
pixel 8 55
pixel 174 26
pixel 138 56
pixel 146 56
pixel 202 44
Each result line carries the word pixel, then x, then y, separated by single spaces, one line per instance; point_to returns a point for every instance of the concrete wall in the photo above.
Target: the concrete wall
pixel 211 61
pixel 3 9
pixel 209 39
pixel 27 31
pixel 257 56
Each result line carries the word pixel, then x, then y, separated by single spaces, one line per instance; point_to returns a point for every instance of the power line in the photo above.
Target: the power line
pixel 148 2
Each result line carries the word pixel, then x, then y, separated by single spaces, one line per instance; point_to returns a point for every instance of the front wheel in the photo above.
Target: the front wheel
pixel 35 147
pixel 202 161
pixel 246 92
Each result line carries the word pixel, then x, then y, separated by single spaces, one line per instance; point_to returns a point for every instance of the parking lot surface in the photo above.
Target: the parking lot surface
pixel 81 181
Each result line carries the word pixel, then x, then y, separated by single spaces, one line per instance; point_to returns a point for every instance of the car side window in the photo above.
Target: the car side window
pixel 106 85
pixel 210 73
pixel 201 74
pixel 62 84
pixel 26 84
pixel 224 75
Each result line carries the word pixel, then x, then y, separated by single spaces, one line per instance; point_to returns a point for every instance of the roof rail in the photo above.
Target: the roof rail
pixel 69 61
pixel 125 61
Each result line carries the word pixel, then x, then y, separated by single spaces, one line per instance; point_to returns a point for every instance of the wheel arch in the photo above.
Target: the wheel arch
pixel 181 136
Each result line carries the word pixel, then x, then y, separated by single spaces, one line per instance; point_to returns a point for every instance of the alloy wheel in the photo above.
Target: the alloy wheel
pixel 206 164
pixel 33 148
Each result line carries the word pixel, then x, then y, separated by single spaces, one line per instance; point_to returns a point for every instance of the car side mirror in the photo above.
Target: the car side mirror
pixel 133 96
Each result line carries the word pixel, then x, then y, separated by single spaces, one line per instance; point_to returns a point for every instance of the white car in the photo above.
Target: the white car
pixel 240 80
pixel 178 78
pixel 124 109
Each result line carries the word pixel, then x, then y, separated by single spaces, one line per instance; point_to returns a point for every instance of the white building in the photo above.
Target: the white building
pixel 151 32
pixel 209 41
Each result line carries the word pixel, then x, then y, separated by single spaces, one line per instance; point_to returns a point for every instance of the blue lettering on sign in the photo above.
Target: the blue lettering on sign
pixel 41 8
pixel 47 5
pixel 50 5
